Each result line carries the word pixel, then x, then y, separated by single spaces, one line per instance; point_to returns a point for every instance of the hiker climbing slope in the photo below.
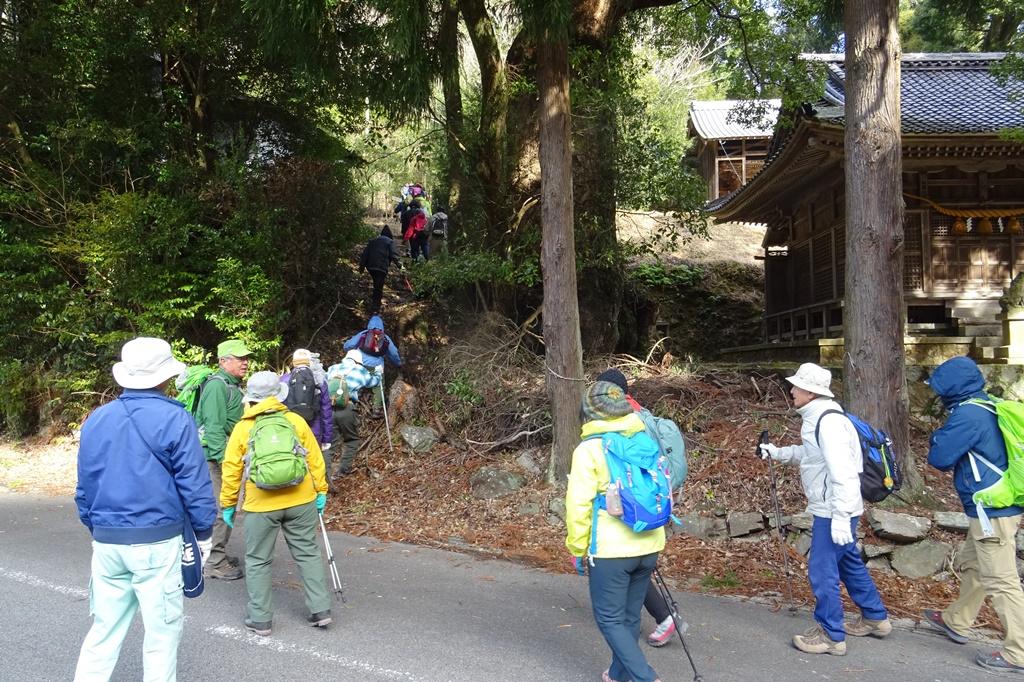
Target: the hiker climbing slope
pixel 376 347
pixel 378 255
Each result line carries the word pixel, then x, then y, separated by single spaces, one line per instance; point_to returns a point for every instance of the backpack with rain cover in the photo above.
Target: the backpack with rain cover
pixel 671 443
pixel 303 394
pixel 633 467
pixel 190 385
pixel 374 342
pixel 881 475
pixel 439 226
pixel 1008 491
pixel 275 459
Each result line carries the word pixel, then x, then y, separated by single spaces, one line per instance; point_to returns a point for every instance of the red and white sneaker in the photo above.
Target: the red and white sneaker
pixel 663 633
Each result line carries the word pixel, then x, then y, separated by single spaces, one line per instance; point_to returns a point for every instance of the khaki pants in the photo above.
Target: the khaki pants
pixel 221 531
pixel 988 566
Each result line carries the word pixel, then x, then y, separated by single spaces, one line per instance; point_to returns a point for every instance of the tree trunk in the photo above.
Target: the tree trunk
pixel 873 317
pixel 563 353
pixel 448 38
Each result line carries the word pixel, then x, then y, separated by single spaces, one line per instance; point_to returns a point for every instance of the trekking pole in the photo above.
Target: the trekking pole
pixel 387 424
pixel 662 586
pixel 763 440
pixel 335 578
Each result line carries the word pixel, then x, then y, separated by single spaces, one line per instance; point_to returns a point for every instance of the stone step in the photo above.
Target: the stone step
pixel 979 329
pixel 988 341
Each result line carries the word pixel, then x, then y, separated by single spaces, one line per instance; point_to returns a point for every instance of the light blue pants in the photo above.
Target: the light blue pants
pixel 126 579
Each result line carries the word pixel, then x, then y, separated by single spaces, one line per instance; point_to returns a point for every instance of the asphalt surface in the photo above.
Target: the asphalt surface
pixel 413 615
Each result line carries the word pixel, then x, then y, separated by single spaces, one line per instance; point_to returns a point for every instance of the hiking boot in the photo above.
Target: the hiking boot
pixel 606 678
pixel 224 571
pixel 815 641
pixel 662 634
pixel 320 619
pixel 933 618
pixel 862 627
pixel 261 629
pixel 996 663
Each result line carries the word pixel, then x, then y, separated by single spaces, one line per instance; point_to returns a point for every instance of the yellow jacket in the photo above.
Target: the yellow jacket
pixel 589 478
pixel 256 499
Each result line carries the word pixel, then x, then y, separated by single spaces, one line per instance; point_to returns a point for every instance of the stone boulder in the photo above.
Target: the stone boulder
pixel 403 402
pixel 418 438
pixel 898 527
pixel 920 559
pixel 802 543
pixel 879 563
pixel 702 526
pixel 529 460
pixel 951 520
pixel 488 483
pixel 872 551
pixel 556 511
pixel 744 523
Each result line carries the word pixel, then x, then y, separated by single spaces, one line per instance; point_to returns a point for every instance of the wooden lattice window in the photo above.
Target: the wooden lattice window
pixel 822 245
pixel 913 261
pixel 840 260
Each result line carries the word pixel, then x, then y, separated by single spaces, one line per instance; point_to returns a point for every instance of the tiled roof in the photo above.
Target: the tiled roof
pixel 940 93
pixel 727 119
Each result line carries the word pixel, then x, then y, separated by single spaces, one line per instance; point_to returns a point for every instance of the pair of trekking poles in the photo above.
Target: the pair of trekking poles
pixel 332 565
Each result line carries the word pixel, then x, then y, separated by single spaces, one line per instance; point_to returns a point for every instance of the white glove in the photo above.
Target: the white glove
pixel 841 532
pixel 325 447
pixel 205 547
pixel 379 369
pixel 769 450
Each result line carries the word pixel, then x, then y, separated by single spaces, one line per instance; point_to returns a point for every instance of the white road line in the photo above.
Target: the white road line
pixel 277 645
pixel 26 579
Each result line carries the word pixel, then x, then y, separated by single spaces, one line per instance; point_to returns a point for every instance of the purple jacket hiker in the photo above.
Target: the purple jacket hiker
pixel 323 426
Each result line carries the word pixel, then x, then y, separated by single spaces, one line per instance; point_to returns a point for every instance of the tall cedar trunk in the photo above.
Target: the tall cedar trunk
pixel 448 39
pixel 491 166
pixel 873 320
pixel 563 353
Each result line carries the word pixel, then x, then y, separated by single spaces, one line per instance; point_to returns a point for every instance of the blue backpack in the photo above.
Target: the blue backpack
pixel 635 464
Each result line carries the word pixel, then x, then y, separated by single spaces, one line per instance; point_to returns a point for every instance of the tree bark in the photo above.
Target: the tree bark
pixel 563 352
pixel 873 318
pixel 448 37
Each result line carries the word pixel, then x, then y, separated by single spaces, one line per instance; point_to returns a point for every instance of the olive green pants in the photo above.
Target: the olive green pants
pixel 988 566
pixel 299 525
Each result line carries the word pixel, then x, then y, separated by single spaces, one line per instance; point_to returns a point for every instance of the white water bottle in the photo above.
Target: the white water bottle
pixel 613 500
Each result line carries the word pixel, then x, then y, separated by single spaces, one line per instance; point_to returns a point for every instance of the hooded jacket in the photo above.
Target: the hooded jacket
pixel 829 469
pixel 371 360
pixel 125 495
pixel 379 253
pixel 257 499
pixel 967 428
pixel 219 409
pixel 588 478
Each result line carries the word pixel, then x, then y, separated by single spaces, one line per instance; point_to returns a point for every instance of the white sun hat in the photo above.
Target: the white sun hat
pixel 813 378
pixel 146 363
pixel 263 385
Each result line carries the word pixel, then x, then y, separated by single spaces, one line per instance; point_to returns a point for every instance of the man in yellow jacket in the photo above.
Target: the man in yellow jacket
pixel 292 508
pixel 621 560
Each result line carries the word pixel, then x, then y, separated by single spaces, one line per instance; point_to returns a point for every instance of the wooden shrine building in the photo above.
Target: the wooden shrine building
pixel 963 184
pixel 731 140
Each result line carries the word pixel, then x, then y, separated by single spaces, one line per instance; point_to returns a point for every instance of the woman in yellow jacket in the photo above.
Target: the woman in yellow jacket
pixel 294 510
pixel 621 562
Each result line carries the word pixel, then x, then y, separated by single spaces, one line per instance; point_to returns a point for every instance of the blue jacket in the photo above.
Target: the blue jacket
pixel 371 360
pixel 124 495
pixel 967 428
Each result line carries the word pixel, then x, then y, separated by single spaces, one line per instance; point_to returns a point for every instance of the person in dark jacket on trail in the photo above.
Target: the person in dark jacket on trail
pixel 987 564
pixel 141 471
pixel 377 257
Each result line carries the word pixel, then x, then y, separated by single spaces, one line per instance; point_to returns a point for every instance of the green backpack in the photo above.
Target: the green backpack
pixel 1009 489
pixel 190 386
pixel 275 458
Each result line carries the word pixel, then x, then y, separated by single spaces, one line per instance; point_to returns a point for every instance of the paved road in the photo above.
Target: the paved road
pixel 413 615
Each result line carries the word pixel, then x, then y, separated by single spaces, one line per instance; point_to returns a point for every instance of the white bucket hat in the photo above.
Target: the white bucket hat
pixel 263 385
pixel 813 378
pixel 146 363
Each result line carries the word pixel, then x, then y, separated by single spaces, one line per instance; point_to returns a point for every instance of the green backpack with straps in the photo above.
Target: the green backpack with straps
pixel 190 385
pixel 275 459
pixel 1009 489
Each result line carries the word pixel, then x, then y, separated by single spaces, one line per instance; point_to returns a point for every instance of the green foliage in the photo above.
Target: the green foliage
pixel 461 388
pixel 444 275
pixel 727 580
pixel 658 275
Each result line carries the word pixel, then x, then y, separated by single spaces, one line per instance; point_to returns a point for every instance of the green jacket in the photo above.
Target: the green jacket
pixel 220 408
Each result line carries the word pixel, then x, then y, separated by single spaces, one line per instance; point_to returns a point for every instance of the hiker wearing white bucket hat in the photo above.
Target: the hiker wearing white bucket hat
pixel 135 507
pixel 830 462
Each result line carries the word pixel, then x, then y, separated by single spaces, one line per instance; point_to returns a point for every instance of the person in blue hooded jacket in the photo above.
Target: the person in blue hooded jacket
pixel 141 471
pixel 987 564
pixel 375 361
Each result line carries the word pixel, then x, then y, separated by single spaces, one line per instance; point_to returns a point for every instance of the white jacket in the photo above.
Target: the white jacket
pixel 830 473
